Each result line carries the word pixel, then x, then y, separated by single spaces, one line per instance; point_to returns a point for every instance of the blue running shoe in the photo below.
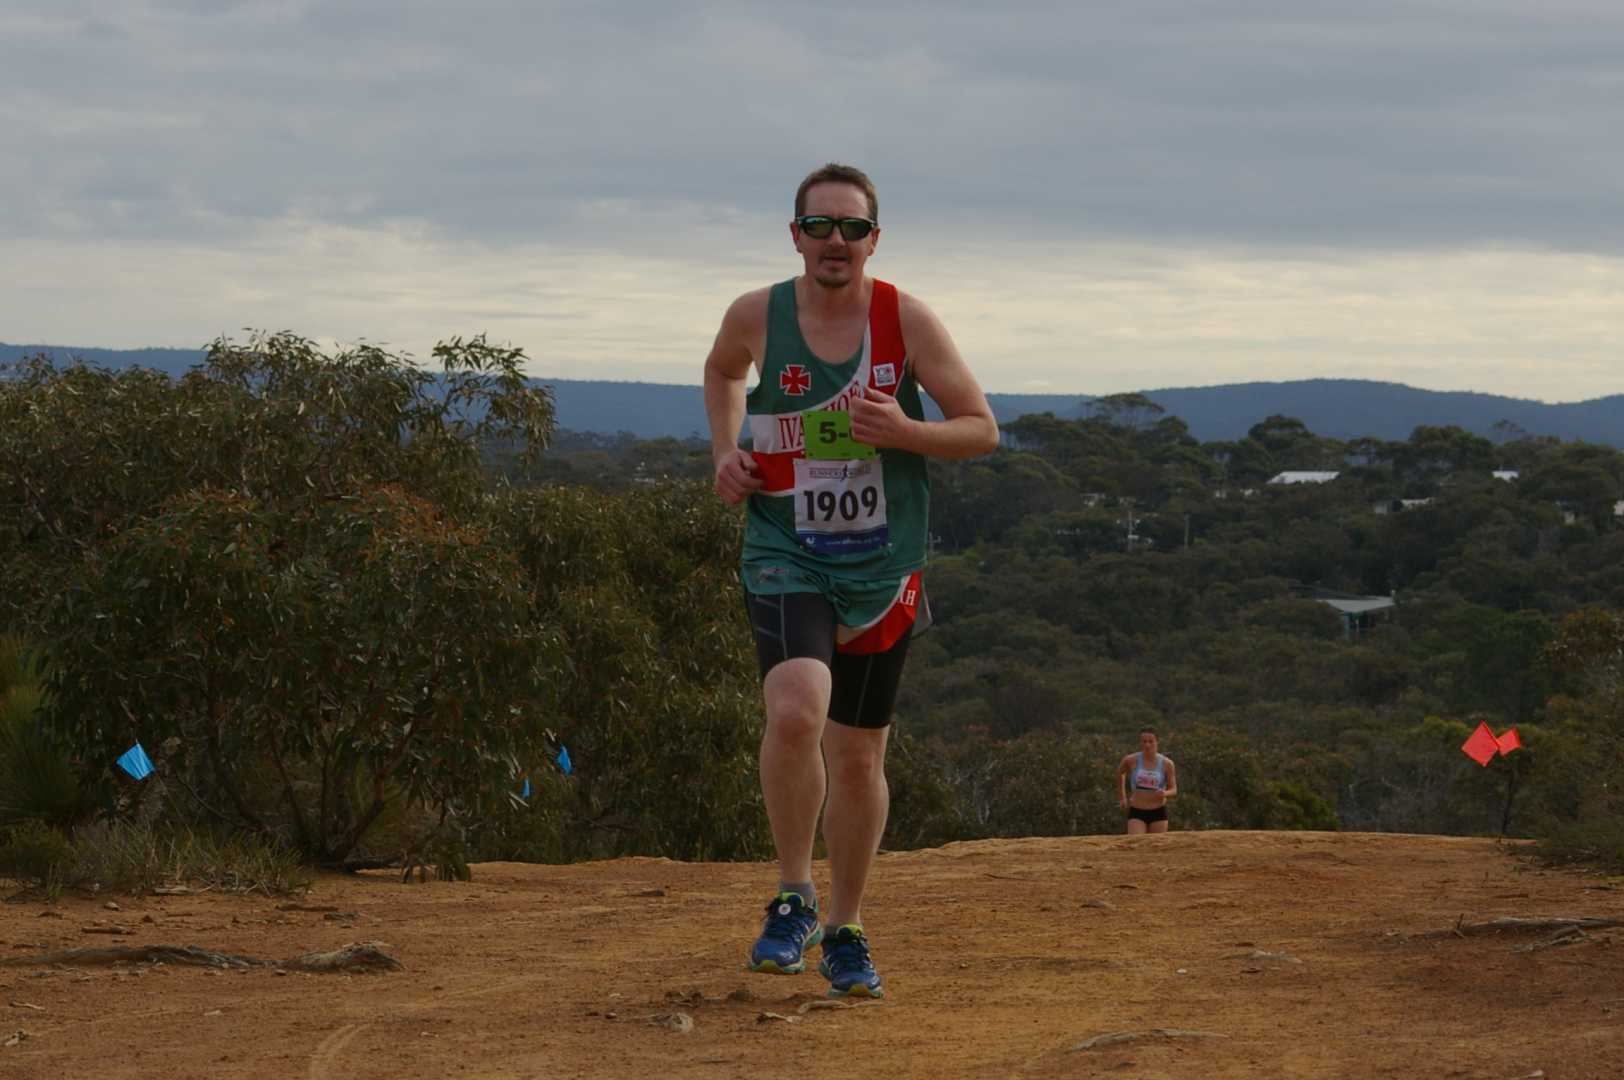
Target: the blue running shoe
pixel 791 928
pixel 846 964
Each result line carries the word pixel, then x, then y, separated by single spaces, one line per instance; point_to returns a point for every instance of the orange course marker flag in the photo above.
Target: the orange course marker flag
pixel 1481 746
pixel 1509 741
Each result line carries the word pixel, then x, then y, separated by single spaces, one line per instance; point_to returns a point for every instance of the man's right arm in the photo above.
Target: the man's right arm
pixel 727 369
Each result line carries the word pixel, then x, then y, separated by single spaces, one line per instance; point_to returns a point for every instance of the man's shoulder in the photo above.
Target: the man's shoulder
pixel 749 309
pixel 916 316
pixel 758 296
pixel 752 300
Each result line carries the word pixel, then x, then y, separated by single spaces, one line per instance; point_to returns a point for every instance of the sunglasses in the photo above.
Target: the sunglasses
pixel 819 227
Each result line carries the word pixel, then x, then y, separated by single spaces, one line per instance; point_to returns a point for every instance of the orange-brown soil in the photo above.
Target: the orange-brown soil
pixel 1267 954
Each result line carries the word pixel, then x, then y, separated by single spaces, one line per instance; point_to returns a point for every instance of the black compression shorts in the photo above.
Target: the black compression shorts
pixel 793 625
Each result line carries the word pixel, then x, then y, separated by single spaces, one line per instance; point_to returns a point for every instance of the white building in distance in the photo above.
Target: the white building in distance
pixel 1303 477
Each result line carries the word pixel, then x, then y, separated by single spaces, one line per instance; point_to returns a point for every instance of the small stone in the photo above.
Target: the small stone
pixel 110 906
pixel 680 1022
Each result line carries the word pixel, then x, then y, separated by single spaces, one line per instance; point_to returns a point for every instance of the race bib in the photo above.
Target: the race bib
pixel 839 505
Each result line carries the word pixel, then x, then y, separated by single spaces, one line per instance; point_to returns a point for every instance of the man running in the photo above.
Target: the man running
pixel 1145 781
pixel 835 528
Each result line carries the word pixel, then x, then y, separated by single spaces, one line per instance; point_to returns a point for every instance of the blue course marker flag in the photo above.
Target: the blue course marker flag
pixel 135 762
pixel 525 794
pixel 564 759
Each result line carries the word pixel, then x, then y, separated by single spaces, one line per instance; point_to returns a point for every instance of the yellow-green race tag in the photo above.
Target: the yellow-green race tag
pixel 828 437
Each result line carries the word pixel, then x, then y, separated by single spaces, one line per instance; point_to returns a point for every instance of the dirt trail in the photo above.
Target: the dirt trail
pixel 1265 954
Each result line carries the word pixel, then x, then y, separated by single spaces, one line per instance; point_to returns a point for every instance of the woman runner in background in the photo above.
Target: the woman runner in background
pixel 1145 781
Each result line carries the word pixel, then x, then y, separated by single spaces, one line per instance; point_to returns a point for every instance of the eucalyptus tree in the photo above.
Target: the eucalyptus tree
pixel 279 573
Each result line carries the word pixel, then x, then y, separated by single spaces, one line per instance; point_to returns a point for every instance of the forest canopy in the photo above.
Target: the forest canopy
pixel 357 608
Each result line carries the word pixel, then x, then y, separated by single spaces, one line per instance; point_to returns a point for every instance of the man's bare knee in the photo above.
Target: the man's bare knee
pixel 797 698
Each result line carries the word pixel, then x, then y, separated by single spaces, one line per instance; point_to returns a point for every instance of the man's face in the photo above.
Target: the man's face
pixel 835 261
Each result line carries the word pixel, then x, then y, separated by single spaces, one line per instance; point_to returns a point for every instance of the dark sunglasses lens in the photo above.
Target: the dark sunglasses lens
pixel 818 228
pixel 854 228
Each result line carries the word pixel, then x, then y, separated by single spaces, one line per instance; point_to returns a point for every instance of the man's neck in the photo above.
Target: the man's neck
pixel 822 301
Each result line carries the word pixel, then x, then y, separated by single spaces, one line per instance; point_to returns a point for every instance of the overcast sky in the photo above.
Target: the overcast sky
pixel 1094 197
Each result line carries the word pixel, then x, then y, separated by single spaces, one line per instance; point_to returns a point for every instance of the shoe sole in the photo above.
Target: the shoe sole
pixel 860 990
pixel 772 967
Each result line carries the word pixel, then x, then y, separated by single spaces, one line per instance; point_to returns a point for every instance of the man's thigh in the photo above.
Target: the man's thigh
pixel 789 626
pixel 866 685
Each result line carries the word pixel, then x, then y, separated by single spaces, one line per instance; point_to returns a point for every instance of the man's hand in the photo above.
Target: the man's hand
pixel 879 421
pixel 736 477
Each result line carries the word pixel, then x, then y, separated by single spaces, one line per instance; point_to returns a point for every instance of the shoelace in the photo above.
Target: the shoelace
pixel 791 926
pixel 849 954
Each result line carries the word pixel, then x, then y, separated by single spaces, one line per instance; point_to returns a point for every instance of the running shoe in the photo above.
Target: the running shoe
pixel 846 964
pixel 791 928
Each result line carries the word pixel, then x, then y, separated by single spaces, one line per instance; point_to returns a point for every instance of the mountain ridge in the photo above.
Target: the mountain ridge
pixel 1334 408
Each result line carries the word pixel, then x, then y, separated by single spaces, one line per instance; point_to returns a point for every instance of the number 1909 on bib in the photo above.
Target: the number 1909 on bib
pixel 840 506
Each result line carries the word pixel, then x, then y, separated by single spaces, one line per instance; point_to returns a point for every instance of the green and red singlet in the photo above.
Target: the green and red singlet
pixel 830 518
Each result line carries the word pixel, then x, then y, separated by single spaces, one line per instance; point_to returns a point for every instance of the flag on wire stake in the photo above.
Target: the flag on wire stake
pixel 135 762
pixel 1509 741
pixel 1481 745
pixel 564 759
pixel 525 794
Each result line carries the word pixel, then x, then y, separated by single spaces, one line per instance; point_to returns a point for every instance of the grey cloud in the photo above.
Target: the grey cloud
pixel 1445 124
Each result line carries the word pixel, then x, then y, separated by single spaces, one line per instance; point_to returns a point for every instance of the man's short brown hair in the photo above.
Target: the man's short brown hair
pixel 834 173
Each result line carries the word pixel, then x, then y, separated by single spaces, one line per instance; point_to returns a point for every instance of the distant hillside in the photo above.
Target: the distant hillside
pixel 174 361
pixel 1338 408
pixel 1348 408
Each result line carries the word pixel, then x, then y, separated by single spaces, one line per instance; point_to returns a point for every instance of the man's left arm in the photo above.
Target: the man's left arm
pixel 967 429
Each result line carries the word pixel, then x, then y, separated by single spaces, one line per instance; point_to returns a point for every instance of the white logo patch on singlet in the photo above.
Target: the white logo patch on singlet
pixel 885 374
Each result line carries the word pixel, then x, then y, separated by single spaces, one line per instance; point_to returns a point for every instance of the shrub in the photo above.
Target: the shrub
pixel 38 781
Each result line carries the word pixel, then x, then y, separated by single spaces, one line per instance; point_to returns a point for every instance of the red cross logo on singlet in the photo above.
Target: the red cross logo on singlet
pixel 794 380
